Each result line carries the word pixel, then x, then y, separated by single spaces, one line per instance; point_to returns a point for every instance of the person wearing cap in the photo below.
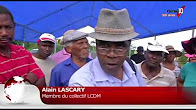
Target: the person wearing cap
pixel 77 45
pixel 63 55
pixel 169 62
pixel 187 76
pixel 152 71
pixel 15 60
pixel 139 57
pixel 42 57
pixel 113 35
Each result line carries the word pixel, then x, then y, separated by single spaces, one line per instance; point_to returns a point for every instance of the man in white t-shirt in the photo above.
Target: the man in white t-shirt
pixel 152 71
pixel 45 44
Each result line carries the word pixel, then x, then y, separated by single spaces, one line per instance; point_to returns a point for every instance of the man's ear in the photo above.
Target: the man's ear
pixel 68 49
pixel 38 43
pixel 145 54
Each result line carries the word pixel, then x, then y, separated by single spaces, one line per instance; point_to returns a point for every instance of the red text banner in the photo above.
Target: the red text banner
pixel 117 95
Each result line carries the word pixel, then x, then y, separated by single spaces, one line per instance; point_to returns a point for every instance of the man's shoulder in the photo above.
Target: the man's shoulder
pixel 189 65
pixel 17 47
pixel 85 70
pixel 20 51
pixel 83 76
pixel 50 59
pixel 64 64
pixel 58 53
pixel 134 55
pixel 167 71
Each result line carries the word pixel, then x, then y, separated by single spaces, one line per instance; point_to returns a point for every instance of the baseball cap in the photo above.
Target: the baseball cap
pixel 47 37
pixel 155 46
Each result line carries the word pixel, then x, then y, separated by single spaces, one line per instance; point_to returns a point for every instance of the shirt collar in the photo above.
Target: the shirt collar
pixel 69 61
pixel 12 49
pixel 144 76
pixel 100 75
pixel 161 72
pixel 64 52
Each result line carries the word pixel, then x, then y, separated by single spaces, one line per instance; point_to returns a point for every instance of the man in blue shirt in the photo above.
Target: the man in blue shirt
pixel 113 35
pixel 77 45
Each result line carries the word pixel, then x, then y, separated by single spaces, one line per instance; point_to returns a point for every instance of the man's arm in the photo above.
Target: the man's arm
pixel 40 82
pixel 35 81
pixel 35 75
pixel 180 81
pixel 54 77
pixel 141 80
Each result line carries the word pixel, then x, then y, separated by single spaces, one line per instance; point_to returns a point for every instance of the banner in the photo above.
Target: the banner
pixel 117 95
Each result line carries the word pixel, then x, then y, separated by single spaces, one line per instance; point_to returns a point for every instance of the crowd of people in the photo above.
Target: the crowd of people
pixel 73 65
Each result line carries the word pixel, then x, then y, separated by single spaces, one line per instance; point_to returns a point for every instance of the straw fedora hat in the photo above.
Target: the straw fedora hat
pixel 187 45
pixel 170 48
pixel 114 25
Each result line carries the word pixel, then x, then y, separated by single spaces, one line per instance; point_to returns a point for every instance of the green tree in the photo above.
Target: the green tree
pixel 182 59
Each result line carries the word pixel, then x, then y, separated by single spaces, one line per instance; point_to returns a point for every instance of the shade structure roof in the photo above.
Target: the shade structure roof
pixel 148 17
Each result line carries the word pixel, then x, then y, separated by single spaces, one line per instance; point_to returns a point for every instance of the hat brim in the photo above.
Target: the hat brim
pixel 178 53
pixel 187 45
pixel 48 41
pixel 151 48
pixel 81 37
pixel 113 37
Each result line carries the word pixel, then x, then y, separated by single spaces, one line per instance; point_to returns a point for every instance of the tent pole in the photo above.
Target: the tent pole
pixel 130 48
pixel 23 38
pixel 55 47
pixel 193 33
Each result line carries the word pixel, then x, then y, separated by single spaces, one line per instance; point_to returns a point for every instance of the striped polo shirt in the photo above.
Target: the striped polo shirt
pixel 20 64
pixel 165 78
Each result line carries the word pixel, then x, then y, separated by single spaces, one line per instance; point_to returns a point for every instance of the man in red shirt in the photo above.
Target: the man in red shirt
pixel 15 60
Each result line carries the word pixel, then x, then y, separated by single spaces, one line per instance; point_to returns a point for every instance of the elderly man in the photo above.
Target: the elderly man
pixel 152 71
pixel 15 60
pixel 45 44
pixel 113 35
pixel 62 55
pixel 77 45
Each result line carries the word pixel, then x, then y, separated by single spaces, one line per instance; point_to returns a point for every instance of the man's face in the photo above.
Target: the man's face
pixel 170 57
pixel 45 48
pixel 7 29
pixel 154 58
pixel 80 48
pixel 111 55
pixel 140 52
